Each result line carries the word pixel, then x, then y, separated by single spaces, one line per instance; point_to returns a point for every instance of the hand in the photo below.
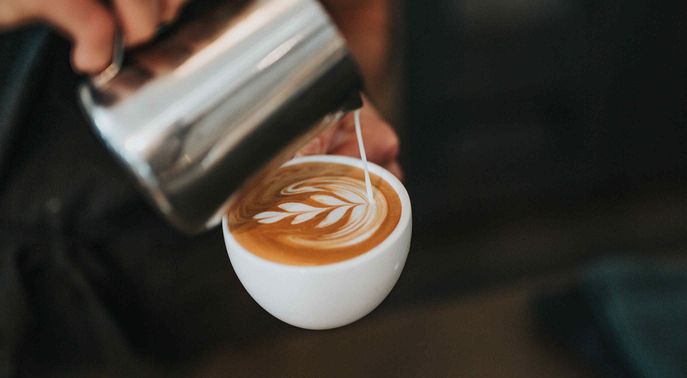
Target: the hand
pixel 90 25
pixel 366 25
pixel 381 141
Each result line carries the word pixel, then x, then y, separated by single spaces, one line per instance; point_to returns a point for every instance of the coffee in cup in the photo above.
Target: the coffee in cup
pixel 311 249
pixel 314 214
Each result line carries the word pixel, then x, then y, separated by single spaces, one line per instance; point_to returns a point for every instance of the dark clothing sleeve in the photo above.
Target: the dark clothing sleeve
pixel 21 54
pixel 91 279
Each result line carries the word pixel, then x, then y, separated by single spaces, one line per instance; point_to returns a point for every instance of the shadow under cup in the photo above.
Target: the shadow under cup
pixel 331 295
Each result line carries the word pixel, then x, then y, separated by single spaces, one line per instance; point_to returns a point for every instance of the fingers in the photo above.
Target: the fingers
pixel 87 23
pixel 326 141
pixel 139 19
pixel 90 25
pixel 381 143
pixel 170 9
pixel 395 169
pixel 314 147
pixel 366 25
pixel 12 13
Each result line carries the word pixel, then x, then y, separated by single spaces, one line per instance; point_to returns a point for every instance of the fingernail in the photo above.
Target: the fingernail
pixel 313 147
pixel 337 139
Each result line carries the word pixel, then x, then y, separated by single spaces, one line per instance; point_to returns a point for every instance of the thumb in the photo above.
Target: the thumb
pixel 86 23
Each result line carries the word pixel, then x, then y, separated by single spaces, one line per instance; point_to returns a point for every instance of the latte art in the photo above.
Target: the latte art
pixel 343 212
pixel 314 213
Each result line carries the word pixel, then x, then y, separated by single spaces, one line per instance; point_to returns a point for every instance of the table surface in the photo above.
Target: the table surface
pixel 485 334
pixel 462 306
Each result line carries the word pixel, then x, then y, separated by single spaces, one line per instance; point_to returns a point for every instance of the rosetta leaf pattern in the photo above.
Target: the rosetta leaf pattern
pixel 268 217
pixel 334 216
pixel 295 207
pixel 304 217
pixel 335 208
pixel 328 200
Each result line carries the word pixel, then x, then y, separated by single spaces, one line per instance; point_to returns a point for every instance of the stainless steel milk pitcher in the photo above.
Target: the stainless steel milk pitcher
pixel 219 98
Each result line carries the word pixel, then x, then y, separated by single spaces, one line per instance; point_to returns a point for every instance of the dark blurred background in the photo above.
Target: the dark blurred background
pixel 543 132
pixel 541 138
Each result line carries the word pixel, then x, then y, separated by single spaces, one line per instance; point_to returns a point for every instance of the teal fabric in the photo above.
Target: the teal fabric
pixel 641 307
pixel 626 316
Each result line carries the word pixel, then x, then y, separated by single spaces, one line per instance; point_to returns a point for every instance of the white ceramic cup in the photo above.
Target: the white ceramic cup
pixel 332 295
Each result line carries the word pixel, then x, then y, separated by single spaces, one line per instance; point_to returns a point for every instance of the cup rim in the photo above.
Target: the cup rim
pixel 383 247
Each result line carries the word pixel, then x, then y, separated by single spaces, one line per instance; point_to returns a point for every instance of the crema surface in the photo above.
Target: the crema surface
pixel 314 214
